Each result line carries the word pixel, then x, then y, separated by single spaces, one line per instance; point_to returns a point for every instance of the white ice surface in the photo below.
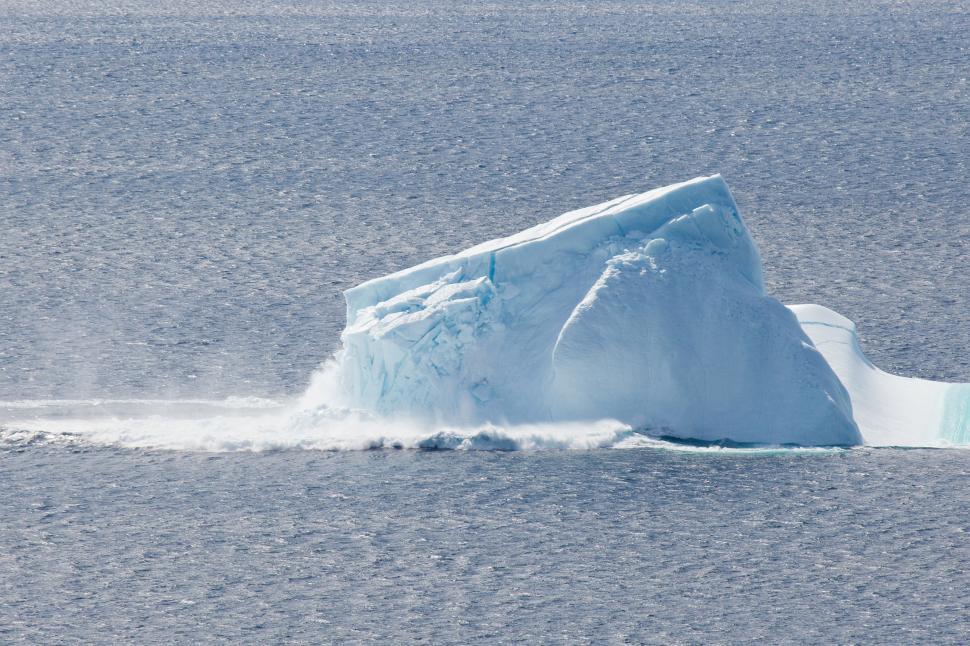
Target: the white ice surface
pixel 890 410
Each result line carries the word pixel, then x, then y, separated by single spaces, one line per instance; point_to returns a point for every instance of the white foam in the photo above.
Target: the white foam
pixel 263 425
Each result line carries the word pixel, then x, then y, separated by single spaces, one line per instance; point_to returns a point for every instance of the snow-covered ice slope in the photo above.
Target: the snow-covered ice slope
pixel 890 410
pixel 649 309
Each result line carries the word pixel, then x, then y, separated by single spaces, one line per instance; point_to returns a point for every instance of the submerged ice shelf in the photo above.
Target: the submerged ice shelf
pixel 649 309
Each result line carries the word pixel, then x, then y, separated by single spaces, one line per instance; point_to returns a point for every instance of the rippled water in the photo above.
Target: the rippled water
pixel 862 546
pixel 184 193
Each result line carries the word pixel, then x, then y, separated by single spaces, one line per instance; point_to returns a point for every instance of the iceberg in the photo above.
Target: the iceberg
pixel 641 322
pixel 649 309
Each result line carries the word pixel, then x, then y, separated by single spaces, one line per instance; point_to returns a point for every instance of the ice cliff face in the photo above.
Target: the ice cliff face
pixel 649 309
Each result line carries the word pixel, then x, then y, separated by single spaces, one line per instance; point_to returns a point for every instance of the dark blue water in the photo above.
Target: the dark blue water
pixel 185 192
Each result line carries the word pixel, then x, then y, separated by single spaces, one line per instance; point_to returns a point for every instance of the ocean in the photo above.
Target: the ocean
pixel 185 191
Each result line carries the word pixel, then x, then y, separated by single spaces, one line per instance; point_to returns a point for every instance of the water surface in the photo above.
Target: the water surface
pixel 185 192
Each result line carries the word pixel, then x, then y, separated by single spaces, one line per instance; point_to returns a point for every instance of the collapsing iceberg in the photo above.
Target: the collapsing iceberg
pixel 649 309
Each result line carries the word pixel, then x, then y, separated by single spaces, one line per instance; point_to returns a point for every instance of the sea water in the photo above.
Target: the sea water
pixel 185 192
